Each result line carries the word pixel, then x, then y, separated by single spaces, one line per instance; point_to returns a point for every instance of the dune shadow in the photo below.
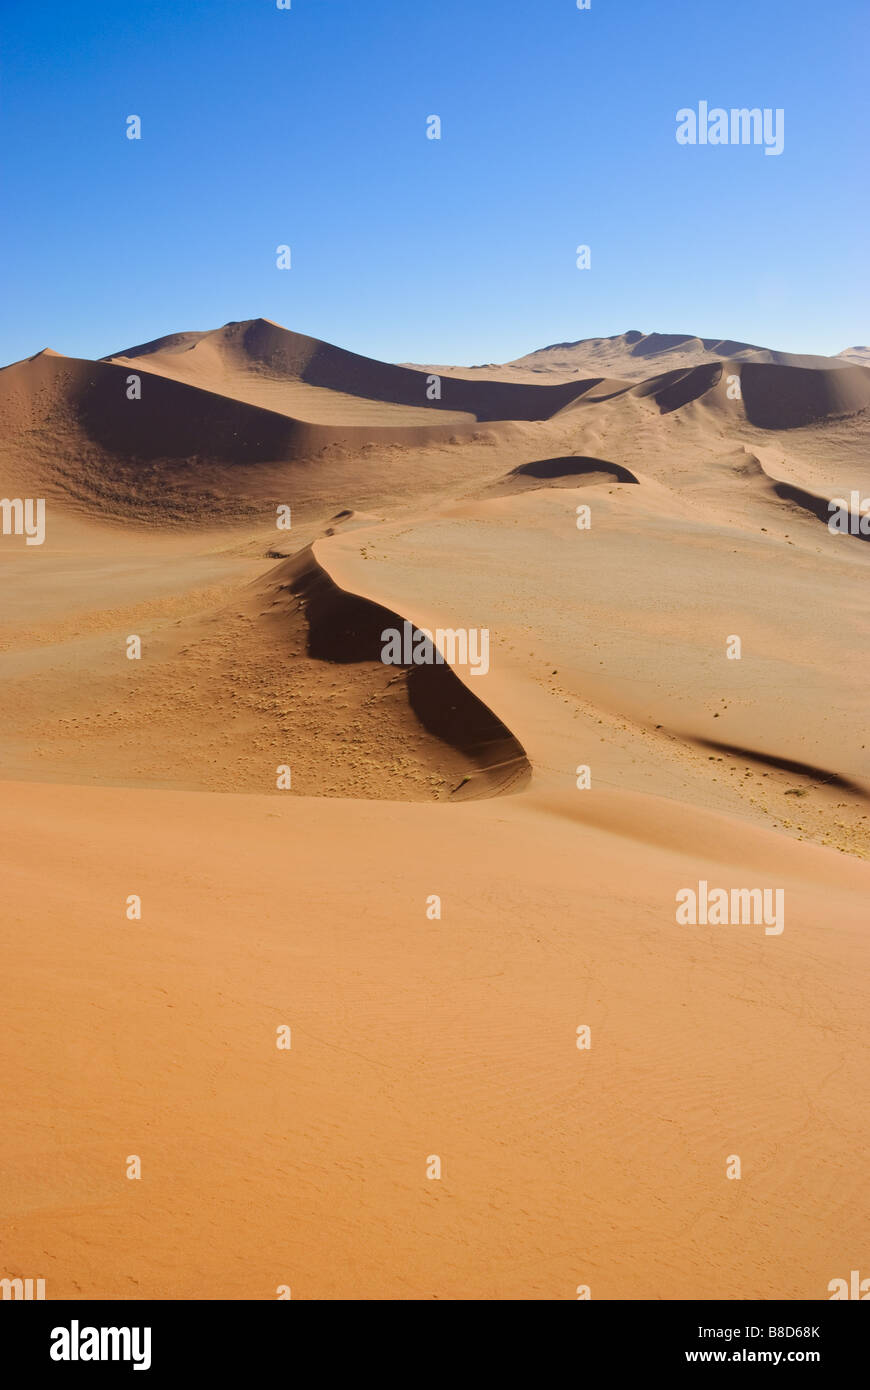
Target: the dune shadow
pixel 332 368
pixel 821 775
pixel 346 628
pixel 571 467
pixel 569 471
pixel 785 398
pixel 679 388
pixel 817 507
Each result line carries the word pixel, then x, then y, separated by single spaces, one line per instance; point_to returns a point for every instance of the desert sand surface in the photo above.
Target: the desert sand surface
pixel 707 469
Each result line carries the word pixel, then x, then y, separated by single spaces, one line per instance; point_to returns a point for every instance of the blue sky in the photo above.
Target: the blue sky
pixel 307 127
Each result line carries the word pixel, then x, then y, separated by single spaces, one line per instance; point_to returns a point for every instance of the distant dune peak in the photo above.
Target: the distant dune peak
pixel 651 343
pixel 859 356
pixel 635 356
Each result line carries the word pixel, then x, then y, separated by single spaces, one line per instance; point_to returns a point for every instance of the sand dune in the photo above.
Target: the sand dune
pixel 264 364
pixel 417 1035
pixel 70 424
pixel 859 355
pixel 782 397
pixel 634 356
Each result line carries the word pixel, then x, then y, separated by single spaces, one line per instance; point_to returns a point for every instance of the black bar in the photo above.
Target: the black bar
pixel 225 1338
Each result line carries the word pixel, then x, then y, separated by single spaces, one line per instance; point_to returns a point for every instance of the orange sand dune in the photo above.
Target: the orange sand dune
pixel 614 528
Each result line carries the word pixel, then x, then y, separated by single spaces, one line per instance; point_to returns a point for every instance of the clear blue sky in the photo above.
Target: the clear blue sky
pixel 308 127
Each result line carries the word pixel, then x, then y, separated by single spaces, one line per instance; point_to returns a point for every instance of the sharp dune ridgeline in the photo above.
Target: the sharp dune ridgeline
pixel 612 513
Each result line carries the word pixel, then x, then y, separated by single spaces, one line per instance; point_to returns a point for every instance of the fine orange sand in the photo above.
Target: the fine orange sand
pixel 412 1035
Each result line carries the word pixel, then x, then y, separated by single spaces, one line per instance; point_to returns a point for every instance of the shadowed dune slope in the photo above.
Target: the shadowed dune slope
pixel 235 679
pixel 70 423
pixel 820 508
pixel 675 389
pixel 248 358
pixel 784 398
pixel 347 629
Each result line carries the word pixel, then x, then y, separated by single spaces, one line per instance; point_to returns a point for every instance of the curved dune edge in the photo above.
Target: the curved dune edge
pixel 818 507
pixel 673 390
pixel 816 504
pixel 563 471
pixel 229 693
pixel 573 466
pixel 391 564
pixel 346 627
